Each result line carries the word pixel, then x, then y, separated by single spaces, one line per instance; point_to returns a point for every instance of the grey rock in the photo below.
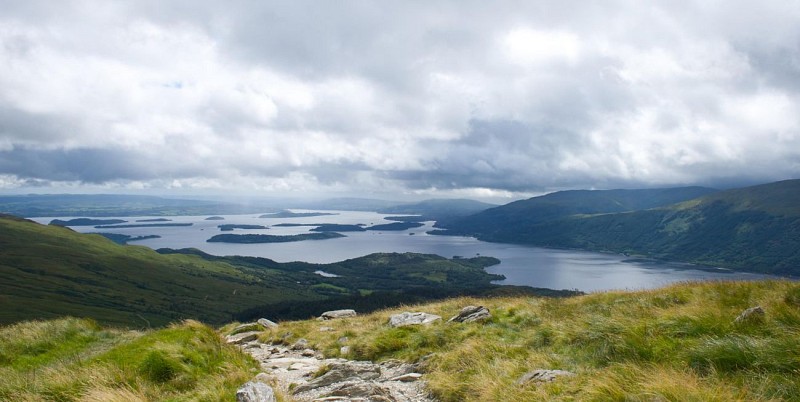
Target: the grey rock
pixel 407 377
pixel 242 338
pixel 262 377
pixel 255 392
pixel 543 376
pixel 406 318
pixel 308 353
pixel 335 314
pixel 340 372
pixel 344 350
pixel 471 314
pixel 362 389
pixel 342 340
pixel 247 327
pixel 753 314
pixel 325 329
pixel 301 344
pixel 267 323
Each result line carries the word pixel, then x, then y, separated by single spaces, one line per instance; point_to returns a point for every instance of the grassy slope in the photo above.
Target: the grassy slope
pixel 73 359
pixel 50 271
pixel 678 343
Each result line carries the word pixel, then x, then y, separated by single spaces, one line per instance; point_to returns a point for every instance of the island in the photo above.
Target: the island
pixel 215 218
pixel 143 225
pixel 290 214
pixel 154 220
pixel 86 222
pixel 397 226
pixel 259 238
pixel 335 227
pixel 125 239
pixel 409 218
pixel 230 227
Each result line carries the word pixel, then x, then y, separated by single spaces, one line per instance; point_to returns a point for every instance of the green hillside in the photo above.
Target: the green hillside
pixel 754 228
pixel 679 343
pixel 51 271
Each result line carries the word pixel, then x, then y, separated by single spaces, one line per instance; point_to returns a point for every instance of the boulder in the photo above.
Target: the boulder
pixel 406 318
pixel 301 344
pixel 255 392
pixel 334 314
pixel 471 314
pixel 238 339
pixel 267 323
pixel 362 389
pixel 248 327
pixel 751 315
pixel 542 376
pixel 340 372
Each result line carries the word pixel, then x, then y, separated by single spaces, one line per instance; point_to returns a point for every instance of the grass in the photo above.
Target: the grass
pixel 73 359
pixel 679 343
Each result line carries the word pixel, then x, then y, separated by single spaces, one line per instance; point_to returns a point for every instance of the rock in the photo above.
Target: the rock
pixel 407 377
pixel 407 318
pixel 267 323
pixel 471 314
pixel 308 353
pixel 344 350
pixel 255 392
pixel 362 389
pixel 325 329
pixel 543 376
pixel 339 372
pixel 342 340
pixel 753 314
pixel 243 337
pixel 334 314
pixel 301 344
pixel 248 327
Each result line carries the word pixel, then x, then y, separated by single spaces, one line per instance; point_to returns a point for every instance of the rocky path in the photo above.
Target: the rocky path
pixel 307 376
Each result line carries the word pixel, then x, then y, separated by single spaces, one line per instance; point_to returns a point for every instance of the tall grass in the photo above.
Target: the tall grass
pixel 73 359
pixel 679 343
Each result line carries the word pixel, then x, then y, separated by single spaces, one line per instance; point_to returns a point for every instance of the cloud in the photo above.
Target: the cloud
pixel 422 98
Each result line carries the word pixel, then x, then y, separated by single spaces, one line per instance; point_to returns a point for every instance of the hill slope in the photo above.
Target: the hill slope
pixel 754 228
pixel 52 271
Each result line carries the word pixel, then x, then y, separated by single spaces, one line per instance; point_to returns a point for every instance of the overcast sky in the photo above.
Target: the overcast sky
pixel 406 98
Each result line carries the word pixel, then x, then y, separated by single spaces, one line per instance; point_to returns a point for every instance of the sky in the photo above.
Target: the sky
pixel 426 99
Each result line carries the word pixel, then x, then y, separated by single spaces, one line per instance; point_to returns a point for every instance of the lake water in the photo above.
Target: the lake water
pixel 522 265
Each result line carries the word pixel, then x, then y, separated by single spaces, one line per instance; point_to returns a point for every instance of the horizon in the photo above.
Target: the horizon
pixel 405 101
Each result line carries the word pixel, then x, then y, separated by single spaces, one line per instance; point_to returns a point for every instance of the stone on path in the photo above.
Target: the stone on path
pixel 242 338
pixel 255 392
pixel 407 318
pixel 335 314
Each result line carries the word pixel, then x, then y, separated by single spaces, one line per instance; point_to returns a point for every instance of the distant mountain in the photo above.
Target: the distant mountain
pixel 754 228
pixel 519 216
pixel 439 209
pixel 101 205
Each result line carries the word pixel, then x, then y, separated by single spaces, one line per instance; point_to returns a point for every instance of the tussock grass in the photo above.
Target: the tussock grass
pixel 679 343
pixel 75 360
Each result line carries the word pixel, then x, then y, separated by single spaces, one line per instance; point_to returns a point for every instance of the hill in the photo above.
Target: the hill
pixel 754 228
pixel 50 271
pixel 439 209
pixel 680 343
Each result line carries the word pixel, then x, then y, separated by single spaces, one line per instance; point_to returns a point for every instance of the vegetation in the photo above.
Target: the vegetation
pixel 230 227
pixel 290 214
pixel 125 239
pixel 86 222
pixel 50 271
pixel 261 238
pixel 679 343
pixel 333 227
pixel 144 225
pixel 396 226
pixel 71 359
pixel 755 228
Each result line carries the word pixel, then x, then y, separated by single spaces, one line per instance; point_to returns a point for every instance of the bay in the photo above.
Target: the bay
pixel 521 265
